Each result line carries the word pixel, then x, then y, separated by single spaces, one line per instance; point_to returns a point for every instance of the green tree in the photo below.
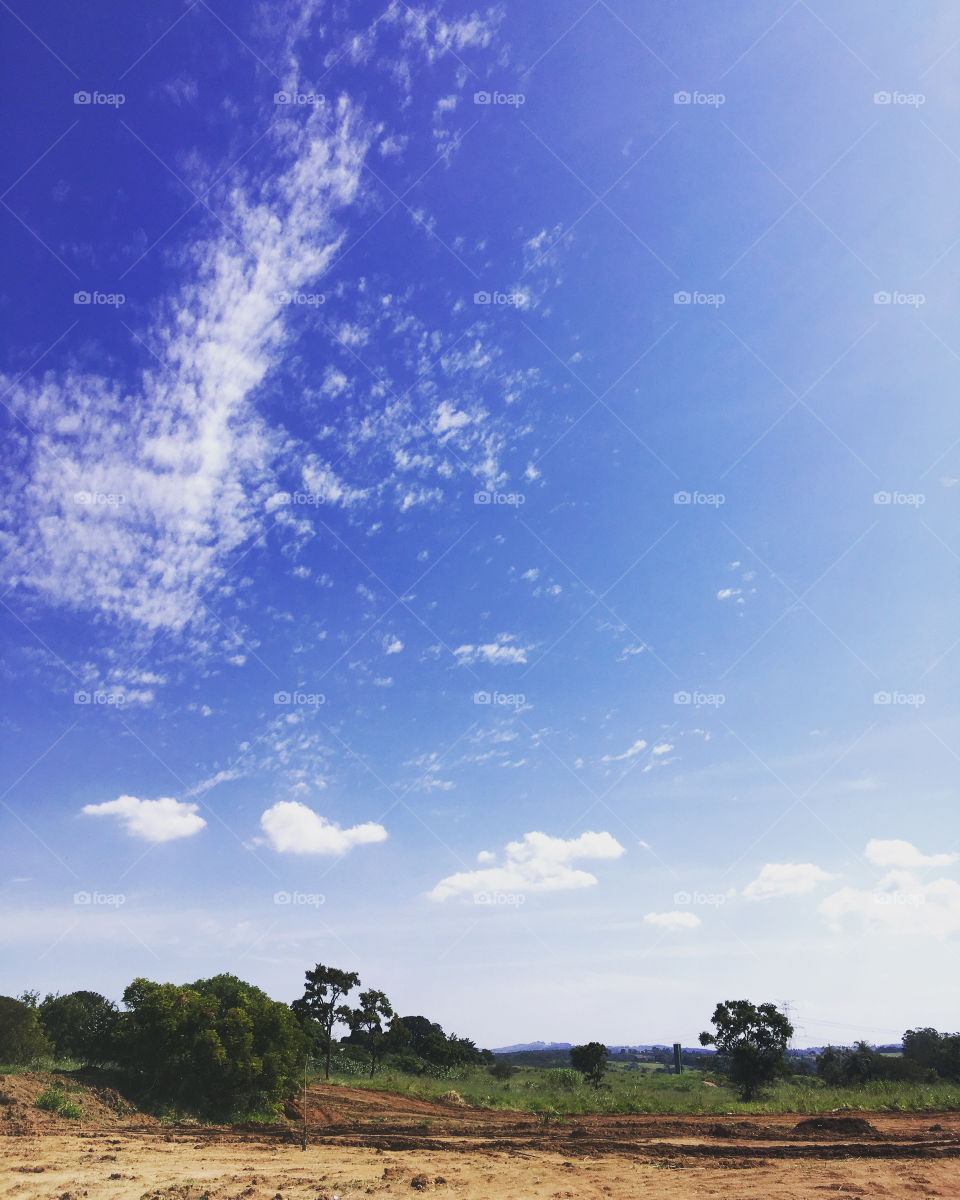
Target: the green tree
pixel 590 1060
pixel 935 1051
pixel 502 1071
pixel 366 1026
pixel 22 1039
pixel 81 1025
pixel 218 1046
pixel 322 1001
pixel 751 1041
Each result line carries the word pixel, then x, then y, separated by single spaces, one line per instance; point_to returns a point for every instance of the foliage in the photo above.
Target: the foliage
pixel 590 1060
pixel 752 1043
pixel 22 1039
pixel 81 1025
pixel 366 1026
pixel 939 1052
pixel 321 1003
pixel 857 1064
pixel 565 1077
pixel 502 1071
pixel 218 1046
pixel 52 1099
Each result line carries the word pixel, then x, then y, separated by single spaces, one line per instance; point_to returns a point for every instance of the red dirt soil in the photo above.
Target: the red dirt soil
pixel 365 1142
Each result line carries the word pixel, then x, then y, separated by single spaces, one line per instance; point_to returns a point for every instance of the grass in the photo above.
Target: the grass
pixel 53 1099
pixel 532 1089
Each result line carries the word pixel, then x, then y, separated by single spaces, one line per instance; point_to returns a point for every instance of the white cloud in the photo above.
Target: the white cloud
pixel 392 645
pixel 537 863
pixel 897 853
pixel 785 879
pixel 673 920
pixel 726 593
pixel 900 903
pixel 160 820
pixel 293 828
pixel 498 654
pixel 637 748
pixel 663 748
pixel 532 574
pixel 184 456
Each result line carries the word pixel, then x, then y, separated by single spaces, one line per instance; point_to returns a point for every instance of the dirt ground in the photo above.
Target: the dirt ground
pixel 365 1143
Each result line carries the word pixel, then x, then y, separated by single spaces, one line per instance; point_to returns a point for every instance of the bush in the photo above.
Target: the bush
pixel 50 1099
pixel 566 1077
pixel 22 1039
pixel 219 1047
pixel 81 1025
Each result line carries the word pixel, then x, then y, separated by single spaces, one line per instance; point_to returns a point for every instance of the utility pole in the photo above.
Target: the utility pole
pixel 303 1140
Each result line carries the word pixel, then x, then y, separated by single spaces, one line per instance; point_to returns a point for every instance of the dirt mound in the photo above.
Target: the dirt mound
pixel 99 1102
pixel 855 1127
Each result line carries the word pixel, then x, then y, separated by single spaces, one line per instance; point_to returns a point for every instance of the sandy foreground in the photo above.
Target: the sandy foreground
pixel 374 1143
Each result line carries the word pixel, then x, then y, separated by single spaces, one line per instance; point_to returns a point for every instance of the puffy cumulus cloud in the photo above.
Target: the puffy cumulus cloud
pixel 900 903
pixel 161 820
pixel 785 879
pixel 672 920
pixel 293 828
pixel 133 499
pixel 498 654
pixel 537 863
pixel 897 853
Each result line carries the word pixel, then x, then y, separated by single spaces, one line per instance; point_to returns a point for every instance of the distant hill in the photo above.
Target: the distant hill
pixel 520 1046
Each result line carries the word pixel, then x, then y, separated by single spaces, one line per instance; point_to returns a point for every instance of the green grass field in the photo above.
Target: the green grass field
pixel 533 1089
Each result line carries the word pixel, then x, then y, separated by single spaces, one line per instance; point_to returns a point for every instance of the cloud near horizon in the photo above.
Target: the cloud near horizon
pixel 785 879
pixel 537 863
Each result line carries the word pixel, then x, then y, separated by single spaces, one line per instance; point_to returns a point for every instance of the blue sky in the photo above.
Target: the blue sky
pixel 480 507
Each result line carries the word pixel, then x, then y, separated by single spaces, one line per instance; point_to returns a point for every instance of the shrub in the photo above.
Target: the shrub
pixel 566 1077
pixel 22 1039
pixel 50 1099
pixel 220 1047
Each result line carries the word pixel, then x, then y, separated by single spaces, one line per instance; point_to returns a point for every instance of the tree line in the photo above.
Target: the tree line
pixel 222 1047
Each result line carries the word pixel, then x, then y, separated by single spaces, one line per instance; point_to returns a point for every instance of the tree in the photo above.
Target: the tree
pixel 366 1026
pixel 81 1025
pixel 217 1046
pixel 935 1051
pixel 590 1060
pixel 502 1071
pixel 752 1043
pixel 22 1039
pixel 325 989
